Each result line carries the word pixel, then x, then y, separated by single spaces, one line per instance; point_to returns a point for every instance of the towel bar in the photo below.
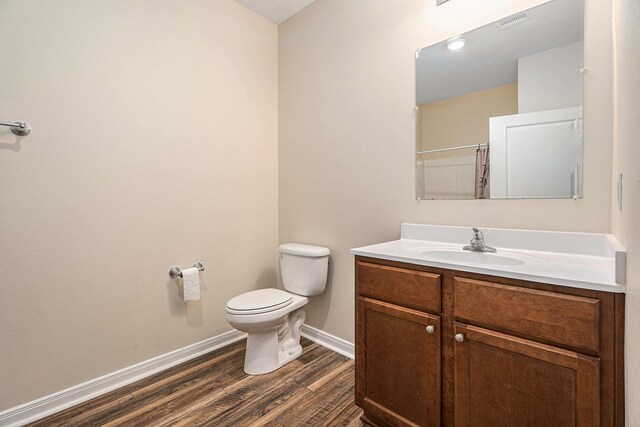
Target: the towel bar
pixel 18 128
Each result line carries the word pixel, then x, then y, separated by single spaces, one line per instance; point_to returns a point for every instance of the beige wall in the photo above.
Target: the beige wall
pixel 463 120
pixel 347 133
pixel 154 144
pixel 626 223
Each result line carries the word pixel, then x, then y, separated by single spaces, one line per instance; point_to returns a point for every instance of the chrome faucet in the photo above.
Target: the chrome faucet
pixel 477 243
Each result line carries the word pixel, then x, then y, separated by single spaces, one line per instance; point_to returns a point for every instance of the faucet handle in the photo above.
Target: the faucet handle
pixel 477 234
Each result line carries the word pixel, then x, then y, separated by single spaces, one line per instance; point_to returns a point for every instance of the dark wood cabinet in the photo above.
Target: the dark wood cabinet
pixel 400 379
pixel 440 347
pixel 553 317
pixel 504 381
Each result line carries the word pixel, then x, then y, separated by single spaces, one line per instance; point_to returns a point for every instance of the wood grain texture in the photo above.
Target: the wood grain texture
pixel 317 389
pixel 603 310
pixel 409 288
pixel 565 320
pixel 607 357
pixel 504 381
pixel 618 333
pixel 447 352
pixel 401 365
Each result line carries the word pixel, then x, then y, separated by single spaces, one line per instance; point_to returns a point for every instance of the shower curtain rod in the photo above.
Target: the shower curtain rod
pixel 452 148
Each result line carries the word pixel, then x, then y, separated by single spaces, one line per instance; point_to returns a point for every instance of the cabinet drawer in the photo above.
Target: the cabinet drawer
pixel 564 319
pixel 409 288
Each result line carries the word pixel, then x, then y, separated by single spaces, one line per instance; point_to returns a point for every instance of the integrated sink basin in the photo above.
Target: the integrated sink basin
pixel 579 260
pixel 482 258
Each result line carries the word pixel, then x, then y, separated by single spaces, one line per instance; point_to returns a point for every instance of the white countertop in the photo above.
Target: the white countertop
pixel 578 260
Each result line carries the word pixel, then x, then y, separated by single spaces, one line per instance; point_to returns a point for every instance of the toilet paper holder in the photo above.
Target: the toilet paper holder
pixel 175 272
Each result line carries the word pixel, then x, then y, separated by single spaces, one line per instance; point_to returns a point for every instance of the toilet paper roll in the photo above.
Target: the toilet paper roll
pixel 191 284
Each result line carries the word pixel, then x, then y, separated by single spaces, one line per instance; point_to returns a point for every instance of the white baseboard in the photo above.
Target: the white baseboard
pixel 64 399
pixel 332 342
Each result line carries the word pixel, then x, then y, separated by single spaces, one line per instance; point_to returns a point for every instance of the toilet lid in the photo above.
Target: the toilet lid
pixel 260 301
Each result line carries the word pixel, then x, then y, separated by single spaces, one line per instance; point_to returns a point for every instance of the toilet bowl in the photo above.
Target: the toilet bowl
pixel 272 318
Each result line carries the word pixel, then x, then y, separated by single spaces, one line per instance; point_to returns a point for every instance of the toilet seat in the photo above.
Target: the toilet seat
pixel 260 301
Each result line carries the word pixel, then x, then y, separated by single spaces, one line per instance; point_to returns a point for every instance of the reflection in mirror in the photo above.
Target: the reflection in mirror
pixel 499 109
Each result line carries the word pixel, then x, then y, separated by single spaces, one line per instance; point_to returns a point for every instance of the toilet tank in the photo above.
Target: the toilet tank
pixel 304 268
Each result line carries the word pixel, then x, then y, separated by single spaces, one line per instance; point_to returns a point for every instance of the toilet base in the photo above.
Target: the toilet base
pixel 287 356
pixel 268 350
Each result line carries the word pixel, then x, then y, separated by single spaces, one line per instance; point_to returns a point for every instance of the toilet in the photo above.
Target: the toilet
pixel 271 317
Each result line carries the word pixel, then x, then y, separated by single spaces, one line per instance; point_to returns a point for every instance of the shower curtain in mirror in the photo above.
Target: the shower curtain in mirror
pixel 482 184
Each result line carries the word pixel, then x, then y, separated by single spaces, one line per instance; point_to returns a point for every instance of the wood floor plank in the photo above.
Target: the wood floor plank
pixel 62 418
pixel 167 406
pixel 263 405
pixel 236 392
pixel 310 352
pixel 144 397
pixel 205 358
pixel 322 381
pixel 333 403
pixel 240 394
pixel 357 422
pixel 343 415
pixel 317 389
pixel 329 395
pixel 269 418
pixel 226 359
pixel 110 400
pixel 319 367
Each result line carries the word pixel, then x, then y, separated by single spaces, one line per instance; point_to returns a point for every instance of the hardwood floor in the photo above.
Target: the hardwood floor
pixel 317 389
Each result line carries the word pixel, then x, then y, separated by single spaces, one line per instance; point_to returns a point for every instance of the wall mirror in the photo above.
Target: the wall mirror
pixel 499 108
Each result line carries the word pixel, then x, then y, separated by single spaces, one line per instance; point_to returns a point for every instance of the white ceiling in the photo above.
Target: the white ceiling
pixel 276 11
pixel 490 57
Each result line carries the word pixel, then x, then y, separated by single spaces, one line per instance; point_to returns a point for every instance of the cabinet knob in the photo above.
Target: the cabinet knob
pixel 459 337
pixel 431 329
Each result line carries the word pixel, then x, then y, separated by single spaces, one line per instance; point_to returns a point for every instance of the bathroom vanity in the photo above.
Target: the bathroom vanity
pixel 529 336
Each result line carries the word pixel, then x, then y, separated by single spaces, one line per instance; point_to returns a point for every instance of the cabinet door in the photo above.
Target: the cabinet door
pixel 502 380
pixel 398 364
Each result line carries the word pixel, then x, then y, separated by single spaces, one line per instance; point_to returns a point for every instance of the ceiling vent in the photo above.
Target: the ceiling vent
pixel 512 20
